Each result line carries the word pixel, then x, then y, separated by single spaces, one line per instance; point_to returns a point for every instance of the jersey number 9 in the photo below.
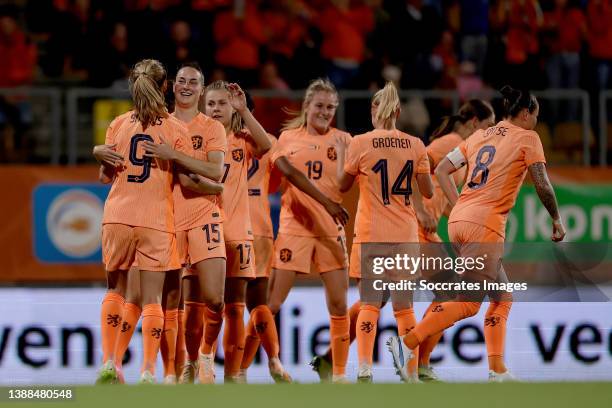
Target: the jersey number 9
pixel 144 162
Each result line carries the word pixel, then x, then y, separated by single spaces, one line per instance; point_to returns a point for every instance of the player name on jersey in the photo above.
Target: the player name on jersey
pixel 394 142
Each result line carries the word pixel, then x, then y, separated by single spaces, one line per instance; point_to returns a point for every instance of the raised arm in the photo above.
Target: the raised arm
pixel 547 196
pixel 298 179
pixel 258 133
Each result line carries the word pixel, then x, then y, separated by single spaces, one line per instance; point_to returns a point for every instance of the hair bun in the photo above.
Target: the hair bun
pixel 510 93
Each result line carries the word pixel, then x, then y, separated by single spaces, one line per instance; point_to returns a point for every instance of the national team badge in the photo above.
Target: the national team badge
pixel 331 153
pixel 285 255
pixel 196 141
pixel 238 155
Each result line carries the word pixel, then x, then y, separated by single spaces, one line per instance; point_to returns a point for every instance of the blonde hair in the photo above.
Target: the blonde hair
pixel 388 103
pixel 299 117
pixel 146 83
pixel 236 122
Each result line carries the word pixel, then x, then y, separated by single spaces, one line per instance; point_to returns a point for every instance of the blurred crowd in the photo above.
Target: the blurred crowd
pixel 282 44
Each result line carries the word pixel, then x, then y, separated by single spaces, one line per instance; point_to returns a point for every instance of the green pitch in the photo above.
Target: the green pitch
pixel 521 395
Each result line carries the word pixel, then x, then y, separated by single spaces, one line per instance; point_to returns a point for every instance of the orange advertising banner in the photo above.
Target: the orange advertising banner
pixel 51 226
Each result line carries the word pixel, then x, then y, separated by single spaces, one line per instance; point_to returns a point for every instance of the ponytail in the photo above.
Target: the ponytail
pixel 146 82
pixel 388 103
pixel 474 108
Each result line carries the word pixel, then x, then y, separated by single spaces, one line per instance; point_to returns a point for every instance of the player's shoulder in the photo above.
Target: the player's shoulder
pixel 337 133
pixel 209 123
pixel 289 134
pixel 174 124
pixel 415 142
pixel 126 117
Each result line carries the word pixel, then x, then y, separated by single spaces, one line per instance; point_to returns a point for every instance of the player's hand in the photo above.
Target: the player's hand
pixel 426 221
pixel 237 97
pixel 338 212
pixel 106 154
pixel 558 231
pixel 160 150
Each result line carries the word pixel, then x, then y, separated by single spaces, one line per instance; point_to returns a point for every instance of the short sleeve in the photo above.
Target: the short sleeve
pixel 463 148
pixel 422 160
pixel 278 150
pixel 353 156
pixel 216 141
pixel 534 152
pixel 110 133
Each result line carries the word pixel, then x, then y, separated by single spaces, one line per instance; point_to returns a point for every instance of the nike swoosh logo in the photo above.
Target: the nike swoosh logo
pixel 243 268
pixel 211 248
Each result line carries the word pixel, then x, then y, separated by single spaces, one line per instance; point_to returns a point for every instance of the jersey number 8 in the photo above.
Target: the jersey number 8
pixel 482 167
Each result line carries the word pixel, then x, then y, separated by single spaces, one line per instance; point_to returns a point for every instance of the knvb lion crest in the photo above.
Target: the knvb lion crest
pixel 285 255
pixel 196 141
pixel 238 155
pixel 331 153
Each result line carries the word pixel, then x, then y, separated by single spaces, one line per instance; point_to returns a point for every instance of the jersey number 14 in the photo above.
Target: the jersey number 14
pixel 402 179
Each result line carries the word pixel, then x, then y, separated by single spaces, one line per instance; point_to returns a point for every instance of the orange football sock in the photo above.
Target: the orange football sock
pixel 406 322
pixel 168 341
pixel 180 343
pixel 427 346
pixel 152 328
pixel 131 315
pixel 266 330
pixel 233 338
pixel 495 334
pixel 340 343
pixel 366 335
pixel 440 319
pixel 251 344
pixel 194 328
pixel 110 323
pixel 213 321
pixel 353 314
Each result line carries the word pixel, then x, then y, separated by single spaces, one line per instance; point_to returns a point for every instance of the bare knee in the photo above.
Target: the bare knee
pixel 337 307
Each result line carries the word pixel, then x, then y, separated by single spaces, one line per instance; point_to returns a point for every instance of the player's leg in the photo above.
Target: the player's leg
pixel 118 248
pixel 336 287
pixel 181 352
pixel 261 326
pixel 496 320
pixel 211 289
pixel 111 316
pixel 234 335
pixel 170 302
pixel 432 249
pixel 406 322
pixel 131 316
pixel 151 286
pixel 155 256
pixel 193 324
